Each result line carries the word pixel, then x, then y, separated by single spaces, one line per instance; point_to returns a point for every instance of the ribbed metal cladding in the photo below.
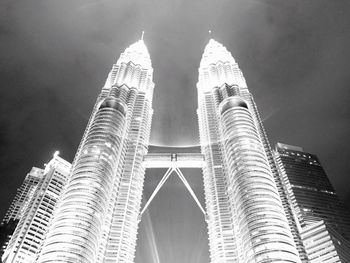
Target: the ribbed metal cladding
pixel 222 243
pixel 260 222
pixel 77 227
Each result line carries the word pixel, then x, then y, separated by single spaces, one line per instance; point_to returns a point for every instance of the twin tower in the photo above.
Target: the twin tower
pixel 248 215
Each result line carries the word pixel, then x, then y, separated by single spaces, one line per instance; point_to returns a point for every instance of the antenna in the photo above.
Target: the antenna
pixel 143 32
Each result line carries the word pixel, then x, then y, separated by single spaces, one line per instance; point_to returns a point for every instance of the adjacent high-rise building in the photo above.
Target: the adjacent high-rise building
pixel 19 204
pixel 35 219
pixel 24 194
pixel 321 215
pixel 246 205
pixel 97 216
pixel 310 190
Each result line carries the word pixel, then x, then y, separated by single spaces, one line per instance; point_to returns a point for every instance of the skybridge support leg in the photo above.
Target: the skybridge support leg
pixel 160 184
pixel 183 179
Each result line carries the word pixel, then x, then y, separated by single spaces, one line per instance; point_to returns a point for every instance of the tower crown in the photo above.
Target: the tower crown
pixel 138 54
pixel 218 67
pixel 133 68
pixel 215 52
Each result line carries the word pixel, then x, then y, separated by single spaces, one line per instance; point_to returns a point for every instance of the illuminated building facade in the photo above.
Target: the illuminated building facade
pixel 37 215
pixel 247 221
pixel 97 216
pixel 320 213
pixel 251 211
pixel 20 202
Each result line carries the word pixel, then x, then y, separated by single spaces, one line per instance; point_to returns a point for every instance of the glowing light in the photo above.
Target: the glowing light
pixel 151 238
pixel 56 153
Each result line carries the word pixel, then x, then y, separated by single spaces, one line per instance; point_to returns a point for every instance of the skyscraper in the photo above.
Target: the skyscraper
pixel 24 194
pixel 246 206
pixel 20 202
pixel 97 217
pixel 35 220
pixel 318 209
pixel 311 192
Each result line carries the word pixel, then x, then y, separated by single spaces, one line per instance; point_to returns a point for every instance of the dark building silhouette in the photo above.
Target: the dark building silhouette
pixel 322 216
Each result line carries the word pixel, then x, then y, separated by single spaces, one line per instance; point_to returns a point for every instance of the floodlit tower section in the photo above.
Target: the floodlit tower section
pixel 34 223
pixel 96 219
pixel 246 218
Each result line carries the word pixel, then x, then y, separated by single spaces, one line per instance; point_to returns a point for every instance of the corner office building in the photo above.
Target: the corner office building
pixel 24 194
pixel 22 198
pixel 28 237
pixel 321 215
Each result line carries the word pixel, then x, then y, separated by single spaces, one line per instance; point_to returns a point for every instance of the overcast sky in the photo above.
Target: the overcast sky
pixel 55 57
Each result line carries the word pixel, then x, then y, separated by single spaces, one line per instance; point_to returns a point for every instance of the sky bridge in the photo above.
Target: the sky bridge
pixel 173 158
